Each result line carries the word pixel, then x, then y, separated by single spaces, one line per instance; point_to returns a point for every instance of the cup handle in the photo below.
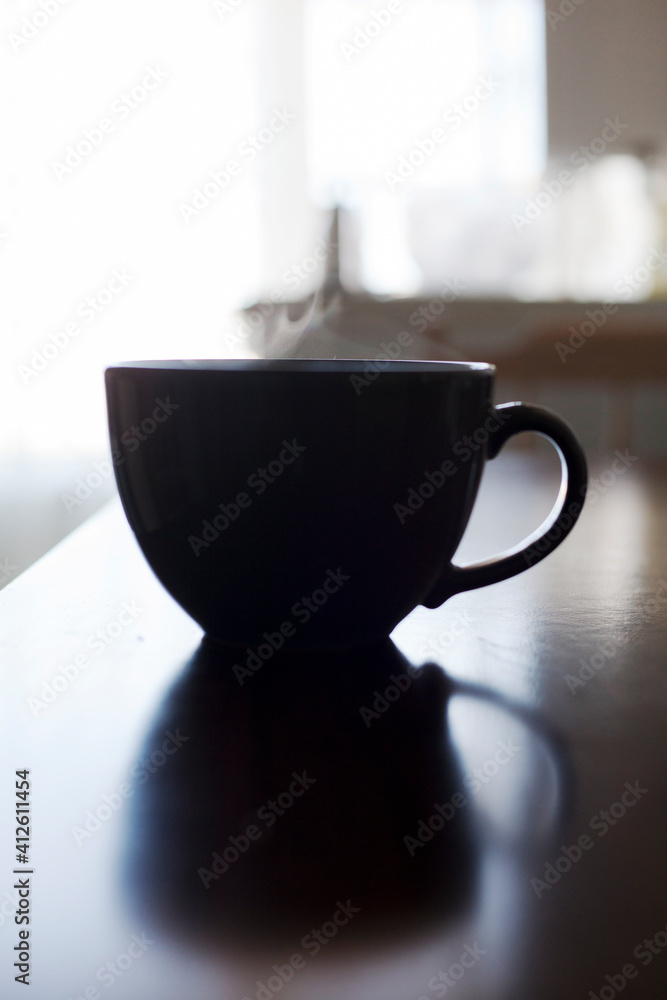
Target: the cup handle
pixel 518 417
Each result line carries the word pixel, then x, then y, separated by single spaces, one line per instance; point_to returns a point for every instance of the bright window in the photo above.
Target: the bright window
pixel 427 118
pixel 122 114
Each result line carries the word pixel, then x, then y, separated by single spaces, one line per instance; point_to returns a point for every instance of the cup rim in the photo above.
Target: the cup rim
pixel 328 365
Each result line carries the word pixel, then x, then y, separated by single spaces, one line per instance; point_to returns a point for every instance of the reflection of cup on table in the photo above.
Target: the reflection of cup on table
pixel 286 800
pixel 312 503
pixel 289 800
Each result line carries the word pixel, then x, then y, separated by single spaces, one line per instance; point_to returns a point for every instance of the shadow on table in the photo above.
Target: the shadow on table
pixel 322 791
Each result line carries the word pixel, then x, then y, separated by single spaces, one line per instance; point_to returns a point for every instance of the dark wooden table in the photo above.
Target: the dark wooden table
pixel 491 825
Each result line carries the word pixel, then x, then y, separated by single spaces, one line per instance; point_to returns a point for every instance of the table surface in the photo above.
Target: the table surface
pixel 193 837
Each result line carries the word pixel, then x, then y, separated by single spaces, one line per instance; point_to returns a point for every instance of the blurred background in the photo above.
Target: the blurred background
pixel 169 172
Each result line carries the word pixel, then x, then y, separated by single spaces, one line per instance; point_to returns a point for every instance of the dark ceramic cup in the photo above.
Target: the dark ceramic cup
pixel 316 503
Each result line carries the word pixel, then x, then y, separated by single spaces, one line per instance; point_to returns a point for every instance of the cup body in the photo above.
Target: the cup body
pixel 304 503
